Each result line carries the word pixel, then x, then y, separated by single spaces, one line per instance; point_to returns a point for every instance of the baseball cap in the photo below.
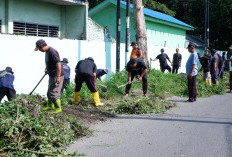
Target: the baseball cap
pixel 9 69
pixel 191 45
pixel 213 51
pixel 133 43
pixel 90 58
pixel 162 50
pixel 106 70
pixel 65 60
pixel 133 61
pixel 40 43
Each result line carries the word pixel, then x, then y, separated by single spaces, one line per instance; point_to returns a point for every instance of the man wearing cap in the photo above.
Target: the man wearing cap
pixel 163 57
pixel 6 84
pixel 86 72
pixel 136 66
pixel 230 68
pixel 136 52
pixel 55 73
pixel 191 72
pixel 205 62
pixel 101 72
pixel 66 68
pixel 176 62
pixel 214 69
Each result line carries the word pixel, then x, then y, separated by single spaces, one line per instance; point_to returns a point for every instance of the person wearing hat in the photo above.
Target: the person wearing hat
pixel 66 68
pixel 86 72
pixel 55 73
pixel 230 68
pixel 205 62
pixel 6 84
pixel 214 69
pixel 136 66
pixel 101 72
pixel 191 72
pixel 136 52
pixel 163 57
pixel 176 62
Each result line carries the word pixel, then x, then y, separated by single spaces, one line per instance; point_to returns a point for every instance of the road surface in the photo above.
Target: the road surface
pixel 199 129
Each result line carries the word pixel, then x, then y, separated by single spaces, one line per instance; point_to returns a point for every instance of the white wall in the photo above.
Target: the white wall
pixel 28 65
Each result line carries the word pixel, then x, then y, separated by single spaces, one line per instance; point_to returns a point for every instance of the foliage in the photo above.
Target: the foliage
pixel 143 105
pixel 26 131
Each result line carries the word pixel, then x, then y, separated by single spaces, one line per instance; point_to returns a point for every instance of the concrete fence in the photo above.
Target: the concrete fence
pixel 28 65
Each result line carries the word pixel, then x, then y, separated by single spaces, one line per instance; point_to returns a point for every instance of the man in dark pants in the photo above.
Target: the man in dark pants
pixel 6 84
pixel 230 68
pixel 66 68
pixel 55 73
pixel 136 66
pixel 163 57
pixel 220 66
pixel 176 62
pixel 86 72
pixel 191 72
pixel 214 69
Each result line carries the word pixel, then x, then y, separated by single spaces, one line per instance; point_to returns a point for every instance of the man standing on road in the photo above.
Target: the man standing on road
pixel 136 52
pixel 191 72
pixel 163 57
pixel 205 62
pixel 136 66
pixel 55 73
pixel 230 69
pixel 86 72
pixel 214 70
pixel 6 84
pixel 66 68
pixel 176 62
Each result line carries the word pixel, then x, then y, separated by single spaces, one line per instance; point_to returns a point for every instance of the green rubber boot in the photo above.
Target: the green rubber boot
pixel 57 106
pixel 50 106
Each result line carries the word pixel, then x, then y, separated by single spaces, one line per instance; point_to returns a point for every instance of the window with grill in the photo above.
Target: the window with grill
pixel 0 26
pixel 21 28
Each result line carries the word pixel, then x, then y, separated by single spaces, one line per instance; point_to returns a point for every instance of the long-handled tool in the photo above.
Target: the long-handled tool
pixel 104 88
pixel 127 84
pixel 38 83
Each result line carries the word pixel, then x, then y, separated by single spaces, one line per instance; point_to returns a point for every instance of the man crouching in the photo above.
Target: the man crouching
pixel 136 66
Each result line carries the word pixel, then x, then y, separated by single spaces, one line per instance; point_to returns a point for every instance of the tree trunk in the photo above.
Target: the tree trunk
pixel 140 24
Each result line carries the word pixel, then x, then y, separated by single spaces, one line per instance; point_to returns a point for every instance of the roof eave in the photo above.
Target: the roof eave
pixel 66 2
pixel 168 23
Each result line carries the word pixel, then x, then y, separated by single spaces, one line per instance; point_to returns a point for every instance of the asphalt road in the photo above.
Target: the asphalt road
pixel 199 129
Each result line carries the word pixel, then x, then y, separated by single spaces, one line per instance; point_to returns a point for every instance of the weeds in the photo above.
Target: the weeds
pixel 26 131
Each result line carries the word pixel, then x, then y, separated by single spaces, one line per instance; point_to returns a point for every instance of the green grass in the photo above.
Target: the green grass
pixel 26 131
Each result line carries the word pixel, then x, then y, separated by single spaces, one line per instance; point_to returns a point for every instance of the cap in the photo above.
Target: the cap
pixel 133 43
pixel 162 50
pixel 133 61
pixel 106 70
pixel 191 45
pixel 65 60
pixel 9 69
pixel 40 43
pixel 90 58
pixel 206 50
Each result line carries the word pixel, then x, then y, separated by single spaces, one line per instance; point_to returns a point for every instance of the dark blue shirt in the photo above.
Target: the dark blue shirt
pixel 7 80
pixel 86 66
pixel 66 70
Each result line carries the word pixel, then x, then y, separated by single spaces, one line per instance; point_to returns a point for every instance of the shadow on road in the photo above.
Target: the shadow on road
pixel 176 120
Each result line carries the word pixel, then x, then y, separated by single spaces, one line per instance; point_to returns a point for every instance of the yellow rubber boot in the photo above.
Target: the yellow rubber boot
pixel 206 82
pixel 210 83
pixel 57 106
pixel 96 99
pixel 50 106
pixel 76 94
